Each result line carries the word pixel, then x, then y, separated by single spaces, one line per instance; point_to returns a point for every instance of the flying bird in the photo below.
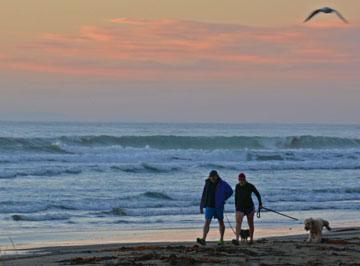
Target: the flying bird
pixel 326 10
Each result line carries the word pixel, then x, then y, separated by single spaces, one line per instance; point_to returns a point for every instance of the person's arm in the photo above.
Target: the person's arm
pixel 228 191
pixel 257 195
pixel 236 196
pixel 202 201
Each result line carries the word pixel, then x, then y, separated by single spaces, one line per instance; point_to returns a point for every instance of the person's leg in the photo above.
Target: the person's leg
pixel 206 228
pixel 239 219
pixel 250 218
pixel 221 229
pixel 219 214
pixel 209 214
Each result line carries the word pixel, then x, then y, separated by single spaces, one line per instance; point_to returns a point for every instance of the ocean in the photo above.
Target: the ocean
pixel 68 177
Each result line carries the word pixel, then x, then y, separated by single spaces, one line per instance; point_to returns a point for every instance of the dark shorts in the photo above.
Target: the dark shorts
pixel 217 213
pixel 246 211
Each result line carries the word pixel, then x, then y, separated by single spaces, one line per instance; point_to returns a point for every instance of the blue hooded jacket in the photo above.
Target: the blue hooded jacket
pixel 223 191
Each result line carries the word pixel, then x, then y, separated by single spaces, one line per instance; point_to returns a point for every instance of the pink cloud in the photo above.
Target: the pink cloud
pixel 96 34
pixel 161 49
pixel 3 56
pixel 142 22
pixel 328 24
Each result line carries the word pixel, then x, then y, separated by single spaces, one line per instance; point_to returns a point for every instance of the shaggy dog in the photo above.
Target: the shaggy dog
pixel 244 234
pixel 315 227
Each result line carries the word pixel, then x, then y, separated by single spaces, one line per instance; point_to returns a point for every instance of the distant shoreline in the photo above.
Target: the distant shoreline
pixel 85 122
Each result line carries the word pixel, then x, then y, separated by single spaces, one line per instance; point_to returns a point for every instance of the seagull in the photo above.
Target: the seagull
pixel 326 10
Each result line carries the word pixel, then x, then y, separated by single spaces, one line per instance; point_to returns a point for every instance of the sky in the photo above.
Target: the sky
pixel 231 61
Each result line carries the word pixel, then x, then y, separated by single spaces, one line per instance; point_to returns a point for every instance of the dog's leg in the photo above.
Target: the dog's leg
pixel 313 236
pixel 309 238
pixel 327 225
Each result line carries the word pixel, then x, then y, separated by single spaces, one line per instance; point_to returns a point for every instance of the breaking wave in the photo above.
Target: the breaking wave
pixel 145 168
pixel 8 174
pixel 57 145
pixel 350 190
pixel 38 218
pixel 31 145
pixel 115 212
pixel 155 195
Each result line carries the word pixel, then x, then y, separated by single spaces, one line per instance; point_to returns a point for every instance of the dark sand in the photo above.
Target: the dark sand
pixel 340 247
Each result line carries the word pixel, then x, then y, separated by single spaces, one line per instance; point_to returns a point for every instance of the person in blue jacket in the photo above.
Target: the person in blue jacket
pixel 215 193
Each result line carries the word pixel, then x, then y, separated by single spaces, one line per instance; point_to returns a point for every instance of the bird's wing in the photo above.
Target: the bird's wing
pixel 312 14
pixel 341 16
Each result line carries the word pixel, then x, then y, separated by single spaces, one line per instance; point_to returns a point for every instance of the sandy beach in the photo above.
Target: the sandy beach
pixel 341 246
pixel 158 132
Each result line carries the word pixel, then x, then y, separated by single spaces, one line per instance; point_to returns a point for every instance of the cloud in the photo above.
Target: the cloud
pixel 96 34
pixel 328 24
pixel 3 56
pixel 143 22
pixel 141 49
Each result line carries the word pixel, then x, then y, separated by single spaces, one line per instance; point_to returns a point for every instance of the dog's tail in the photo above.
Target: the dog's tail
pixel 326 224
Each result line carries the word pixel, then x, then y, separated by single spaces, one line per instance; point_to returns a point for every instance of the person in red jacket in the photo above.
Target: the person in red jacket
pixel 245 206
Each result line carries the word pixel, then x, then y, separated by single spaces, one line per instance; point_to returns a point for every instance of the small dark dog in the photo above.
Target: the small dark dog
pixel 244 235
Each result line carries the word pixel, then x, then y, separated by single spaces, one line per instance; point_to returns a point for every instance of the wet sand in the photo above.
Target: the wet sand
pixel 340 247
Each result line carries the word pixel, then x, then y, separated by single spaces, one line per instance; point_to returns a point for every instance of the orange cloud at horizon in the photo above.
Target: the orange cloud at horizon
pixel 140 49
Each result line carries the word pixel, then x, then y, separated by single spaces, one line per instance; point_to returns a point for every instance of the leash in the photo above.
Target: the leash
pixel 258 215
pixel 279 213
pixel 227 218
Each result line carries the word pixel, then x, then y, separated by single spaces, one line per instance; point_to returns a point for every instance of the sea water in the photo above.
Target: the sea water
pixel 58 177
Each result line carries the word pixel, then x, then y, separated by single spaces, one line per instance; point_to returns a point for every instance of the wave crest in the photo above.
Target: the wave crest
pixel 39 172
pixel 156 195
pixel 55 145
pixel 38 218
pixel 145 168
pixel 31 144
